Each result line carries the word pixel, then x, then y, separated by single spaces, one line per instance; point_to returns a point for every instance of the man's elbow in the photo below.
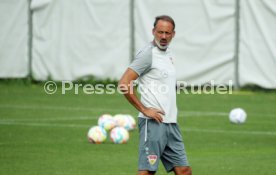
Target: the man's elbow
pixel 123 86
pixel 121 81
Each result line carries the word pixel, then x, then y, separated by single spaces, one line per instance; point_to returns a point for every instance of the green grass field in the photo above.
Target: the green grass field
pixel 43 134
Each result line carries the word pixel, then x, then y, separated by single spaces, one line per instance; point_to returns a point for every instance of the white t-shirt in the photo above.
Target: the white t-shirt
pixel 157 81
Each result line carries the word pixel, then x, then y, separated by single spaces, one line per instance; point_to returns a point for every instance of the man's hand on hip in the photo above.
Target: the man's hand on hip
pixel 154 114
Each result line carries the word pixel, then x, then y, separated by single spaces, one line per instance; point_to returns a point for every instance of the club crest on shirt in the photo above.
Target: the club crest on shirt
pixel 152 159
pixel 164 73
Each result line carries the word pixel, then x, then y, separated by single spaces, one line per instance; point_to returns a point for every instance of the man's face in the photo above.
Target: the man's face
pixel 163 34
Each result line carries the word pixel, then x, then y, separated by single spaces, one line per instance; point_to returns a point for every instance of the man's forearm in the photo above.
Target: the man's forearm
pixel 134 101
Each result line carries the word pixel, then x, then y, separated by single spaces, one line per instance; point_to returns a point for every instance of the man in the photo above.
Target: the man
pixel 160 137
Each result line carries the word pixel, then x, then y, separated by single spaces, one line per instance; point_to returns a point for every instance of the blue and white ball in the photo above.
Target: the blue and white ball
pixel 96 134
pixel 106 121
pixel 237 116
pixel 131 122
pixel 126 121
pixel 119 135
pixel 120 120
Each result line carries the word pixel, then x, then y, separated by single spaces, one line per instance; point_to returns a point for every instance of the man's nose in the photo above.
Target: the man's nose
pixel 163 36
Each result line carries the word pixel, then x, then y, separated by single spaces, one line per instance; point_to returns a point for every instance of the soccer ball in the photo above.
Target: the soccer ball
pixel 119 135
pixel 125 120
pixel 106 121
pixel 237 116
pixel 131 123
pixel 96 134
pixel 121 120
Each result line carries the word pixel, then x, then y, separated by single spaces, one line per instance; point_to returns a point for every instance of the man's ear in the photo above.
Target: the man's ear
pixel 153 31
pixel 173 33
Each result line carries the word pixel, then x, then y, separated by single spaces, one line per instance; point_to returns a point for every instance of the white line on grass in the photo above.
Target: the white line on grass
pixel 270 133
pixel 50 119
pixel 44 124
pixel 63 108
pixel 230 131
pixel 92 117
pixel 200 113
pixel 105 110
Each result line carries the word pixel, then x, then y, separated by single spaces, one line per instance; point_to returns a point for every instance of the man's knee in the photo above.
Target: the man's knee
pixel 188 171
pixel 183 171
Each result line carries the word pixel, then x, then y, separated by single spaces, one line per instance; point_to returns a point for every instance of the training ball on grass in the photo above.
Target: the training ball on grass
pixel 106 121
pixel 131 122
pixel 121 120
pixel 126 121
pixel 237 116
pixel 96 134
pixel 119 135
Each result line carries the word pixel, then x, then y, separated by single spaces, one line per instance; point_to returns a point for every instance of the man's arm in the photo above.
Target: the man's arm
pixel 126 86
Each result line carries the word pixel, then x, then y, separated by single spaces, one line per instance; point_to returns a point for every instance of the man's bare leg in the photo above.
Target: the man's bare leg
pixel 182 170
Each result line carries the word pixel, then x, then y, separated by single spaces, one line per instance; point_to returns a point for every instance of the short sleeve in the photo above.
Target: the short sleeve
pixel 142 61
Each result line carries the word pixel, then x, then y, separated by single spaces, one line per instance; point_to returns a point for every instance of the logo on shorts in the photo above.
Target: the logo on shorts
pixel 152 159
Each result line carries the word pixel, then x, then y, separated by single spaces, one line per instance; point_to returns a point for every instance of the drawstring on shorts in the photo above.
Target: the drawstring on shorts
pixel 146 130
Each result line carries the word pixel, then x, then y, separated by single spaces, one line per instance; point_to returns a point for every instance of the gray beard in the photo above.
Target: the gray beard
pixel 159 46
